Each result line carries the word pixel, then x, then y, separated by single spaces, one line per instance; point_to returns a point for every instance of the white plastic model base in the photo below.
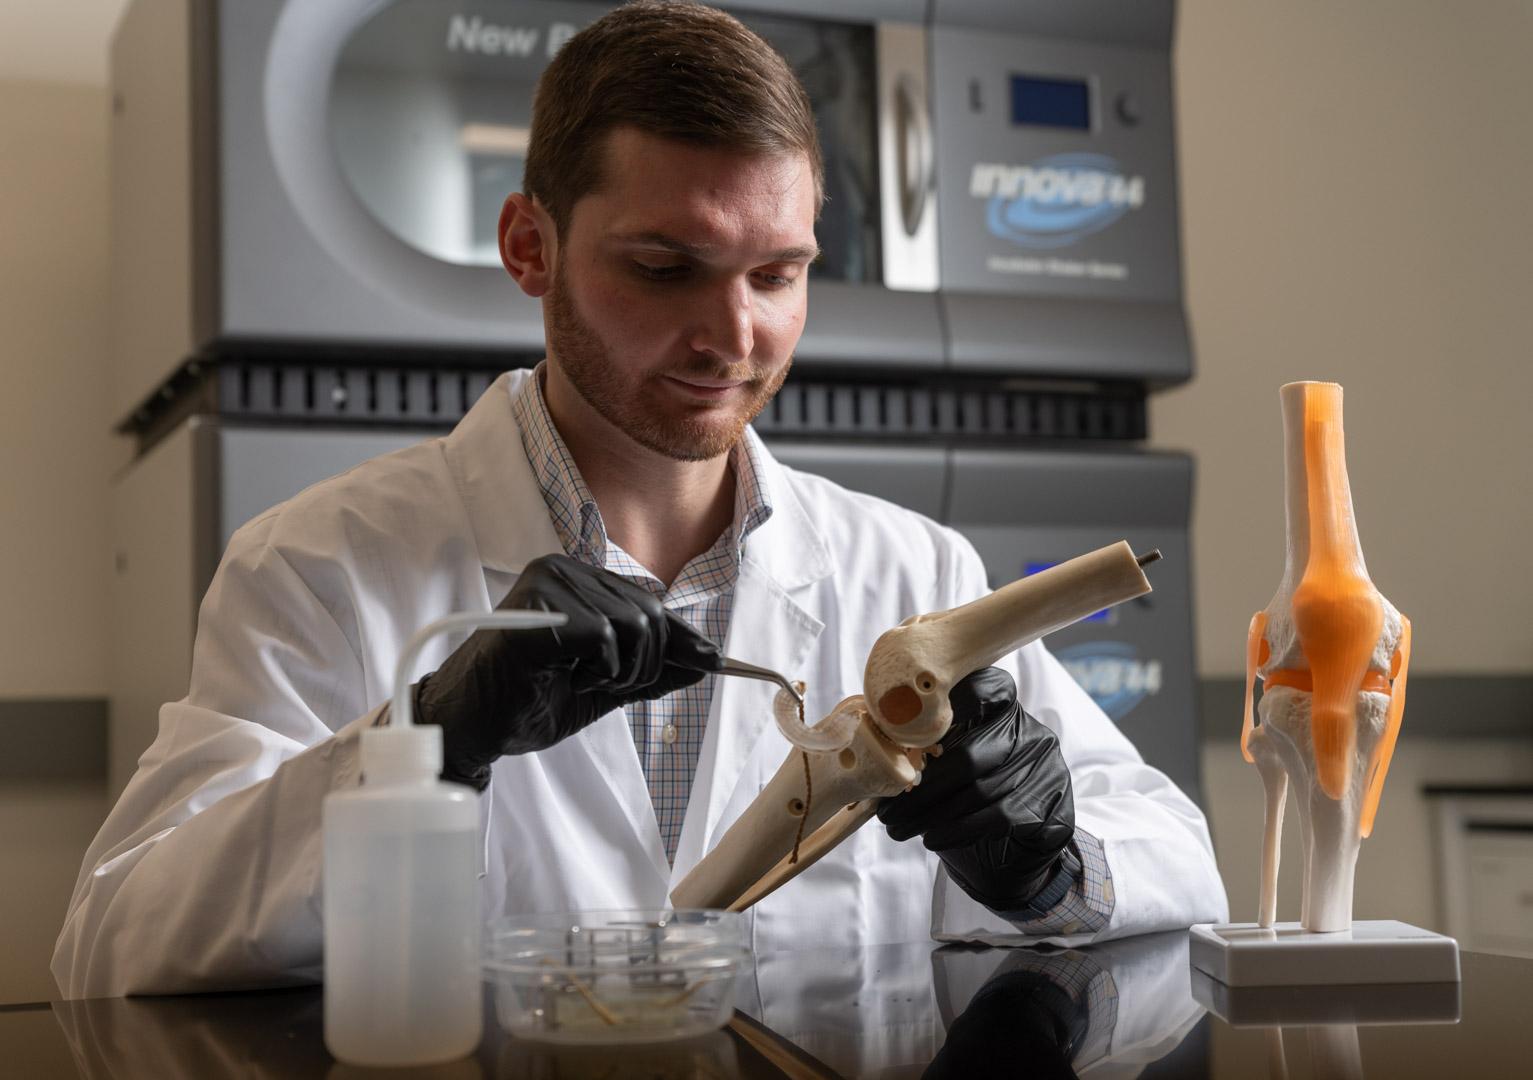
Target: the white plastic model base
pixel 1373 951
pixel 1328 1006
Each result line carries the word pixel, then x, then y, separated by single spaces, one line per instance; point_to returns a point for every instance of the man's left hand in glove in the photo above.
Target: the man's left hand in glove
pixel 995 805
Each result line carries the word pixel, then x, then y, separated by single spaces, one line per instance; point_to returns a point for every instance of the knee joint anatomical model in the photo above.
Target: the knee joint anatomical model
pixel 1332 654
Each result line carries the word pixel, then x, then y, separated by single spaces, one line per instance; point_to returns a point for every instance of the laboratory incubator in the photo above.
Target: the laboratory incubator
pixel 304 203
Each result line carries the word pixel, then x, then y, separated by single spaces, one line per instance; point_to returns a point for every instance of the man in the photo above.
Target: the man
pixel 672 184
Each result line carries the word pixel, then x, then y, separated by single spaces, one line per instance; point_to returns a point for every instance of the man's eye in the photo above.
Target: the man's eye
pixel 659 273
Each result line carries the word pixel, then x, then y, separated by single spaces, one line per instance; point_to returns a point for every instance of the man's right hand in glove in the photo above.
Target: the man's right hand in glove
pixel 516 691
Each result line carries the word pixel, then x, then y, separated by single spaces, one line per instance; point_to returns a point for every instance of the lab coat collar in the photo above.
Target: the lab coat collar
pixel 788 547
pixel 500 494
pixel 772 629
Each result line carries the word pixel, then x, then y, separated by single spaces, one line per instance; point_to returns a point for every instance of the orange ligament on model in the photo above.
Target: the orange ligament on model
pixel 1399 665
pixel 1337 611
pixel 1257 651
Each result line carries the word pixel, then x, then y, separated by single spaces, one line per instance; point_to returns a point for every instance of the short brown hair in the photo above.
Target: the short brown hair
pixel 677 70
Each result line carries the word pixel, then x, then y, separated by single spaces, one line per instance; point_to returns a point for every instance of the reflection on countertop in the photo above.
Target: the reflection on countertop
pixel 897 1010
pixel 890 1010
pixel 1122 1009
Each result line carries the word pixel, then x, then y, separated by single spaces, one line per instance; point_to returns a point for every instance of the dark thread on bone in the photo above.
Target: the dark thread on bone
pixel 808 795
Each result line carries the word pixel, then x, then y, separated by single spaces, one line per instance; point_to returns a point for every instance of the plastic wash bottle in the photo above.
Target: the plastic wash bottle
pixel 401 907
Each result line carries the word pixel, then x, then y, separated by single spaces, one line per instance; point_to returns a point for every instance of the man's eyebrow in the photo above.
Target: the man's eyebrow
pixel 797 254
pixel 805 253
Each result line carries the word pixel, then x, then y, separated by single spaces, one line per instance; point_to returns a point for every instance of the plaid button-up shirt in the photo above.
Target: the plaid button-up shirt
pixel 669 732
pixel 1084 999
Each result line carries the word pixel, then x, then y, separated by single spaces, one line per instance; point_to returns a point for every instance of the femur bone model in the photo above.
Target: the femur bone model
pixel 1332 654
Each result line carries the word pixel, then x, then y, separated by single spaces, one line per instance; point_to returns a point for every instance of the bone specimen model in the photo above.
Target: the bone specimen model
pixel 874 744
pixel 1332 654
pixel 1334 1052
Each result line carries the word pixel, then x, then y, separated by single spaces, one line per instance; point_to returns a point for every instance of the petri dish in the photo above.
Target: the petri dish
pixel 626 976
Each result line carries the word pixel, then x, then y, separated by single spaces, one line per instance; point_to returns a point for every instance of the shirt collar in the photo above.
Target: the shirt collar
pixel 576 517
pixel 753 505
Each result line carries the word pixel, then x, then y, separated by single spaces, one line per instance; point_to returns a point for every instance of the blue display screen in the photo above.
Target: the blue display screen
pixel 1064 103
pixel 1028 569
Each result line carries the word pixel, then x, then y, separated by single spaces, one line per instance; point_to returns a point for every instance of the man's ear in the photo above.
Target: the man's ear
pixel 528 244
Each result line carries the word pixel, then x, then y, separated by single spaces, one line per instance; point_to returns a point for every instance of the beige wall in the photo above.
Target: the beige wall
pixel 1357 193
pixel 55 459
pixel 57 42
pixel 55 445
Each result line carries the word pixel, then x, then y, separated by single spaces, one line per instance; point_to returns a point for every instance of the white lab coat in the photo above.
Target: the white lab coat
pixel 206 874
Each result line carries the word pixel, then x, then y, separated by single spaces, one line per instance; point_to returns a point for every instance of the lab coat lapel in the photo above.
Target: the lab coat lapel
pixel 500 494
pixel 768 628
pixel 511 528
pixel 772 625
pixel 609 745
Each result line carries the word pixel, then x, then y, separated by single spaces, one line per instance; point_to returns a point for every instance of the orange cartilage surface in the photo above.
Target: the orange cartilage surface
pixel 1386 748
pixel 1373 681
pixel 1337 611
pixel 1257 651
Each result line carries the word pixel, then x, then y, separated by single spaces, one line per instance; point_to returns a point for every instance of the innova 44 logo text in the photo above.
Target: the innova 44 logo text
pixel 1056 200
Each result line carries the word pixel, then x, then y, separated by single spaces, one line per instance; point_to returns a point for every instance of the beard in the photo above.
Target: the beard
pixel 644 409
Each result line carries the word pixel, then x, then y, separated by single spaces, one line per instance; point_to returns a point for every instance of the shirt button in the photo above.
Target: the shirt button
pixel 668 734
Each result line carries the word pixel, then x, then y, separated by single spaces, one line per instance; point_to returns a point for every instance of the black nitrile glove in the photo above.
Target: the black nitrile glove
pixel 1019 1017
pixel 516 691
pixel 996 805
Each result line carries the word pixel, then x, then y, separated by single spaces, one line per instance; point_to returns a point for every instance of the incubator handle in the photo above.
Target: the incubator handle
pixel 913 153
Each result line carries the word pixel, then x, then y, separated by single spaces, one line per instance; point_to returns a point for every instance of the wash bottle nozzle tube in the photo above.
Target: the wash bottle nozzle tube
pixel 401 890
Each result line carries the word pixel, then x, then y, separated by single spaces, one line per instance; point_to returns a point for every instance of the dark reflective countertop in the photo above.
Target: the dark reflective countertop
pixel 1128 1008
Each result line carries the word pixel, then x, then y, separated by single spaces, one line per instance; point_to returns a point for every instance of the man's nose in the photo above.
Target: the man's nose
pixel 725 323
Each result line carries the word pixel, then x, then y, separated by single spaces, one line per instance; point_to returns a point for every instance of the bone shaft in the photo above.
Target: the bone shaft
pixel 1307 879
pixel 821 843
pixel 1277 1062
pixel 1333 846
pixel 1317 483
pixel 1275 783
pixel 981 632
pixel 1334 1052
pixel 1295 488
pixel 868 768
pixel 767 828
